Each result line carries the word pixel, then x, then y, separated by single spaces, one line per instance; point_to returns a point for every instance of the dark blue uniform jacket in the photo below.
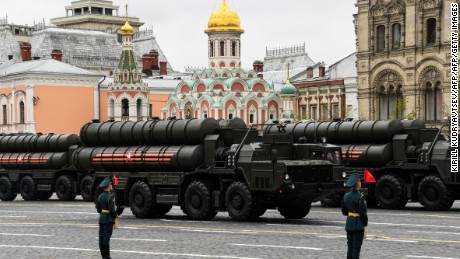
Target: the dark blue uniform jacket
pixel 355 202
pixel 105 202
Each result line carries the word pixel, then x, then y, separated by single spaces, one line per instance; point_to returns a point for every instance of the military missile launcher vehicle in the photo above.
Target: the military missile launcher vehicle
pixel 205 166
pixel 408 160
pixel 36 166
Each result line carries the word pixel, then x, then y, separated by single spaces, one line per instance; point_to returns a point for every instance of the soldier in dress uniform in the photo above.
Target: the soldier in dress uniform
pixel 355 208
pixel 105 206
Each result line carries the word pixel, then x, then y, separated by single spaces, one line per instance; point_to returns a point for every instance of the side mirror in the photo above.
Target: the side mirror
pixel 274 156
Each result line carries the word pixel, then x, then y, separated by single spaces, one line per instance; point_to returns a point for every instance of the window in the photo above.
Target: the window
pixel 325 110
pixel 139 108
pixel 396 36
pixel 380 38
pixel 21 113
pixel 5 114
pixel 272 116
pixel 205 114
pixel 304 112
pixel 335 111
pixel 233 48
pixel 389 102
pixel 431 31
pixel 150 110
pixel 222 48
pixel 314 111
pixel 433 102
pixel 211 49
pixel 125 107
pixel 251 118
pixel 230 116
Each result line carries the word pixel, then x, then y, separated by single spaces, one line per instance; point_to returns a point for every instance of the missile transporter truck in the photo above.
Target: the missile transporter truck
pixel 205 166
pixel 36 166
pixel 408 160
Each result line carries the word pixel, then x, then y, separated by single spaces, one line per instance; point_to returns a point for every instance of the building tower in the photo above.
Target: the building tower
pixel 288 95
pixel 224 44
pixel 128 95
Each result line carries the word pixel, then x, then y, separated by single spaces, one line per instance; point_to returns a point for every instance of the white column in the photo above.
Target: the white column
pixel 29 106
pixel 117 111
pixel 103 11
pixel 132 111
pixel 96 103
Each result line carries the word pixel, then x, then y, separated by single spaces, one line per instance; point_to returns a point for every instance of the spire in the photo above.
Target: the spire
pixel 127 29
pixel 288 81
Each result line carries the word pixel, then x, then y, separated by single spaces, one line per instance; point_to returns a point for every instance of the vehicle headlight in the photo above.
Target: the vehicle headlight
pixel 344 175
pixel 287 177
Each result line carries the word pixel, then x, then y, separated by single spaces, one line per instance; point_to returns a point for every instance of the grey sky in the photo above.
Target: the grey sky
pixel 326 26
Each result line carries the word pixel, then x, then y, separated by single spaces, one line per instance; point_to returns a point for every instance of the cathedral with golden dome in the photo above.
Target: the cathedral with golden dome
pixel 224 90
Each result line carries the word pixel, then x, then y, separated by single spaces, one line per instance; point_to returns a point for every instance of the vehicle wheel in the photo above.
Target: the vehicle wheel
pixel 434 195
pixel 161 209
pixel 65 190
pixel 334 200
pixel 6 189
pixel 28 188
pixel 44 195
pixel 141 200
pixel 199 201
pixel 85 188
pixel 390 192
pixel 291 211
pixel 239 202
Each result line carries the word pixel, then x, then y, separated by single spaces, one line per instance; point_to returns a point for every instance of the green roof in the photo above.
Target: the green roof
pixel 288 89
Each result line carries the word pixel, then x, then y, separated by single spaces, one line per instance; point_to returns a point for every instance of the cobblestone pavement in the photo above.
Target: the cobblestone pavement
pixel 54 229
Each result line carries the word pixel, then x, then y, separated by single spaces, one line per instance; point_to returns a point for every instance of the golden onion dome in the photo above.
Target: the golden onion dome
pixel 224 19
pixel 127 29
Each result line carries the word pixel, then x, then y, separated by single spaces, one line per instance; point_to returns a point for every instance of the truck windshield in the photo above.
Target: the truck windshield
pixel 334 157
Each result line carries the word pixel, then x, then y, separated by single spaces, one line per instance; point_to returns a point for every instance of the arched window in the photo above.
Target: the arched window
pixel 139 108
pixel 124 107
pixel 381 38
pixel 233 48
pixel 222 48
pixel 251 118
pixel 21 113
pixel 396 36
pixel 211 49
pixel 433 102
pixel 390 103
pixel 431 31
pixel 111 109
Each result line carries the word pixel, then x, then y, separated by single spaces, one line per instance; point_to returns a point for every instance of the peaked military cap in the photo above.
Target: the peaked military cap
pixel 105 182
pixel 352 180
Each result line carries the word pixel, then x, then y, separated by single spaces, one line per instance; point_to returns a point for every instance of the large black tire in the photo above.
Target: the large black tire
pixel 65 188
pixel 161 209
pixel 334 200
pixel 239 202
pixel 7 192
pixel 297 211
pixel 44 195
pixel 141 200
pixel 85 188
pixel 390 192
pixel 199 201
pixel 434 195
pixel 28 188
